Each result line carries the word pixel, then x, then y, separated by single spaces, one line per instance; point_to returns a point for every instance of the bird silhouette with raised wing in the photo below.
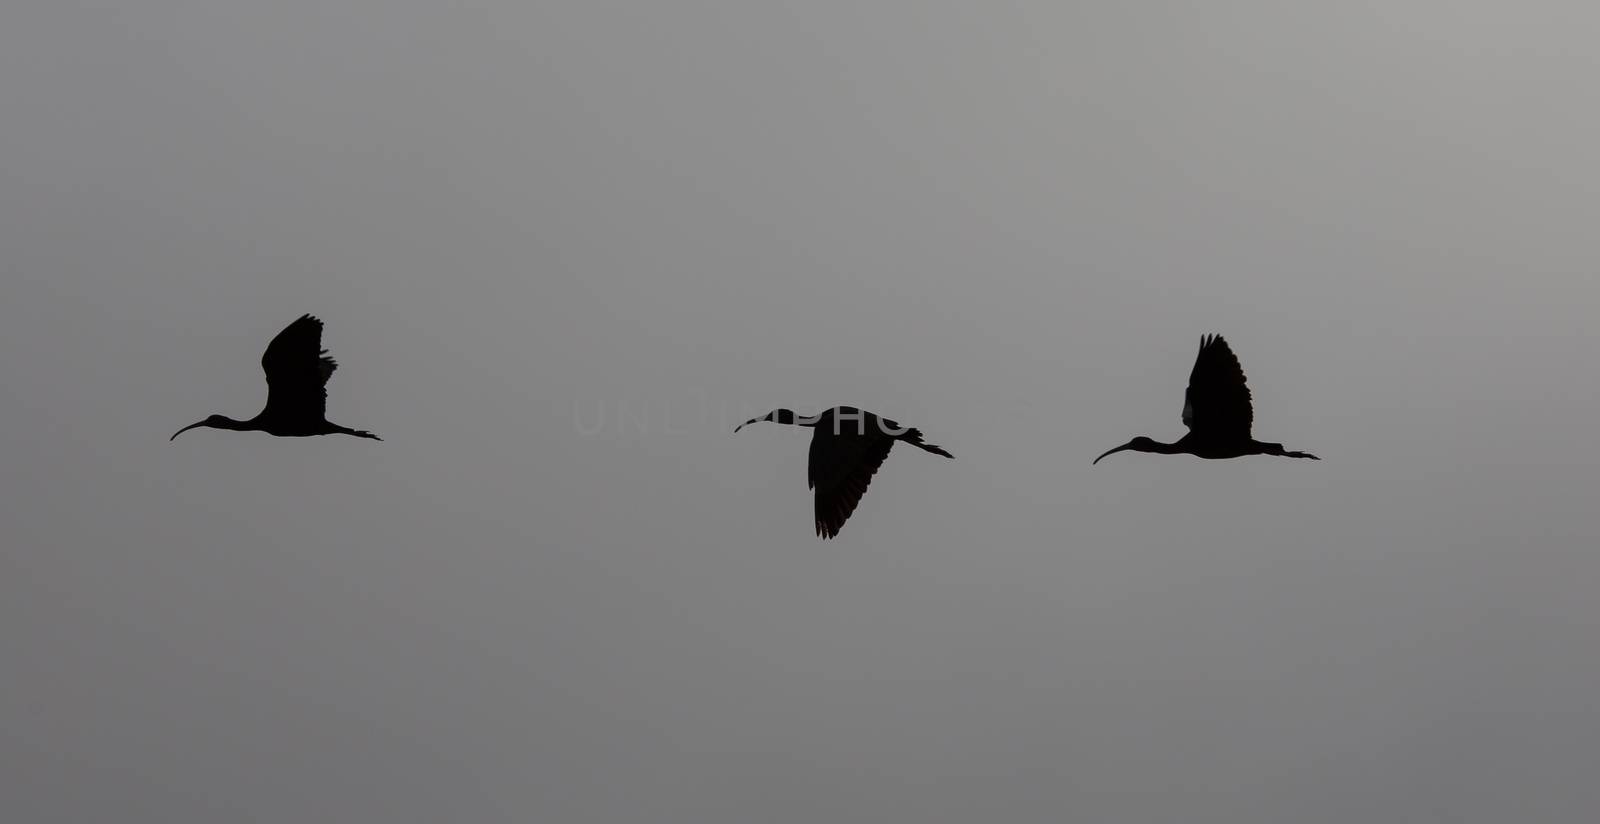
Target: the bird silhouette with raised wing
pixel 297 370
pixel 847 447
pixel 1217 411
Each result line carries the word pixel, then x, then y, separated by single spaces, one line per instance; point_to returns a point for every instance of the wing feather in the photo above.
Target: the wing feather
pixel 297 370
pixel 840 468
pixel 1217 403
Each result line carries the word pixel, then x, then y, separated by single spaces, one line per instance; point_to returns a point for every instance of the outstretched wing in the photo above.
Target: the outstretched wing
pixel 297 370
pixel 840 467
pixel 1217 405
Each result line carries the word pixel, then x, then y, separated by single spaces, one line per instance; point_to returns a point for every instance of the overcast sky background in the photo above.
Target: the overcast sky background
pixel 563 247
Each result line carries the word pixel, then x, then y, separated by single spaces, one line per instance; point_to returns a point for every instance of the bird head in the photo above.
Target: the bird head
pixel 1138 444
pixel 214 421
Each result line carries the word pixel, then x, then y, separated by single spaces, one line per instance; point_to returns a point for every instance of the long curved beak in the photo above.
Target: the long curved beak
pixel 1128 445
pixel 183 430
pixel 746 423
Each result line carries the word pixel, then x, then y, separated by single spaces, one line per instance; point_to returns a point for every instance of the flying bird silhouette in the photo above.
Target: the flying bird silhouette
pixel 297 370
pixel 1217 411
pixel 847 447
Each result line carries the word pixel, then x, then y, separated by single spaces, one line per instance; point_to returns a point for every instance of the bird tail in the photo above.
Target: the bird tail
pixel 1277 449
pixel 913 436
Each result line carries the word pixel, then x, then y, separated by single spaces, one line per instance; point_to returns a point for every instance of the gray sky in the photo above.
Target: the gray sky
pixel 561 248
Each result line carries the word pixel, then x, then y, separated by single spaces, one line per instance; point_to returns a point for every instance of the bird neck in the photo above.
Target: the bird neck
pixel 787 416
